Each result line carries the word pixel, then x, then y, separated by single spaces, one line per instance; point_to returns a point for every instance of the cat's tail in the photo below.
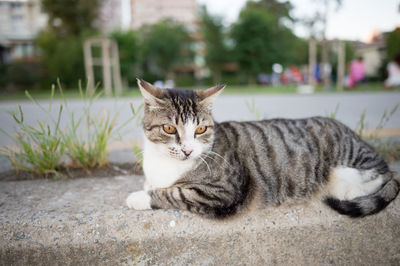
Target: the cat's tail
pixel 369 204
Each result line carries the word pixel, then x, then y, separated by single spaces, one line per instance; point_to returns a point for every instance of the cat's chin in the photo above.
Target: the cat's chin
pixel 186 159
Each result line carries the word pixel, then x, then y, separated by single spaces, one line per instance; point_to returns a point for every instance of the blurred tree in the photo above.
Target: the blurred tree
pixel 298 51
pixel 22 75
pixel 350 52
pixel 165 45
pixel 217 52
pixel 71 17
pixel 61 59
pixel 261 39
pixel 393 44
pixel 281 10
pixel 61 44
pixel 129 50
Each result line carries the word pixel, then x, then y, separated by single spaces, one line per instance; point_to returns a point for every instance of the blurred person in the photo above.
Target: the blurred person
pixel 357 72
pixel 393 69
pixel 262 78
pixel 296 74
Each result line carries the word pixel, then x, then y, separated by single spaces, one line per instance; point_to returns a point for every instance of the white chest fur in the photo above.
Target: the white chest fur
pixel 161 171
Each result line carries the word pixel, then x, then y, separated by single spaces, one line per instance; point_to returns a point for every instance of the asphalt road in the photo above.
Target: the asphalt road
pixel 228 107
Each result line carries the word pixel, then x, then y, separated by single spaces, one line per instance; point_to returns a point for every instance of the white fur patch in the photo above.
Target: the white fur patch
pixel 139 200
pixel 160 169
pixel 348 183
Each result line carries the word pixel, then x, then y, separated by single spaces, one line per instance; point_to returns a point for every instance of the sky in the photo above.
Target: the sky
pixel 355 20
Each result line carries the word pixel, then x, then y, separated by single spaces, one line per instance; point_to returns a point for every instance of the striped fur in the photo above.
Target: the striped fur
pixel 278 159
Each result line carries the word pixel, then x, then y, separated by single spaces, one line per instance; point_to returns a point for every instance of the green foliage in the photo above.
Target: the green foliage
pixel 184 80
pixel 350 52
pixel 253 34
pixel 261 39
pixel 253 108
pixel 139 154
pixel 71 17
pixel 61 44
pixel 87 148
pixel 129 49
pixel 334 113
pixel 217 52
pixel 84 140
pixel 87 135
pixel 21 75
pixel 62 58
pixel 297 51
pixel 165 45
pixel 39 149
pixel 389 149
pixel 280 9
pixel 393 44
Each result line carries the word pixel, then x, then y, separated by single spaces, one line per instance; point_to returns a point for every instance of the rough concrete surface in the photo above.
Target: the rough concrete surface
pixel 85 221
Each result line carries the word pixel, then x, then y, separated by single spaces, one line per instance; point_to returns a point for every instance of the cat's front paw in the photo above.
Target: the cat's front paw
pixel 139 200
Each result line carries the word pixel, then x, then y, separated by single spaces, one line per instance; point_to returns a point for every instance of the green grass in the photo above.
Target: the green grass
pixel 88 148
pixel 234 89
pixel 39 149
pixel 84 140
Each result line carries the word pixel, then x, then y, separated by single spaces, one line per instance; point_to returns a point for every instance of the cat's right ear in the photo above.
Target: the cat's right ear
pixel 208 96
pixel 150 92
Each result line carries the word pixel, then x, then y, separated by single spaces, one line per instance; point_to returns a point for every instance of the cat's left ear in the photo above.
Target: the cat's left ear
pixel 208 96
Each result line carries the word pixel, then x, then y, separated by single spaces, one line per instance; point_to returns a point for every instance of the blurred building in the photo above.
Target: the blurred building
pixel 20 22
pixel 114 15
pixel 152 11
pixel 148 12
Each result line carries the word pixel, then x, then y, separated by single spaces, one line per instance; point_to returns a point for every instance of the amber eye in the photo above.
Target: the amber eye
pixel 169 129
pixel 201 129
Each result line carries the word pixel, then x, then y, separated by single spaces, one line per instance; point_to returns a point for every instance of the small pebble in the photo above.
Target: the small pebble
pixel 172 223
pixel 20 235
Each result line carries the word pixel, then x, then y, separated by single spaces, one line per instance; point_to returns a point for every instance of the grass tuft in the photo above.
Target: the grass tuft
pixel 38 149
pixel 84 139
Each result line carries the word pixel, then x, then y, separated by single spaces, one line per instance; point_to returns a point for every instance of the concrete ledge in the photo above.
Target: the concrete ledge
pixel 85 221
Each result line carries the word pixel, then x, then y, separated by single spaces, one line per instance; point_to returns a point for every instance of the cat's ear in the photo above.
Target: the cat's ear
pixel 150 92
pixel 208 96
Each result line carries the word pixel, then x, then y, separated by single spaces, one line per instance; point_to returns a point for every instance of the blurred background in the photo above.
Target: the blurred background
pixel 287 46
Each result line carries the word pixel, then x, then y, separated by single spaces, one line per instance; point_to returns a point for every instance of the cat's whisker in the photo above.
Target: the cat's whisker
pixel 212 152
pixel 210 157
pixel 209 170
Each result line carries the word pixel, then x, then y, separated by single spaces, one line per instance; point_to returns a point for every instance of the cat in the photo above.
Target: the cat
pixel 216 169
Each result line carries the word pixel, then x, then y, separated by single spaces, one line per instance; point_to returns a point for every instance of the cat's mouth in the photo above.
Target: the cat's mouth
pixel 185 158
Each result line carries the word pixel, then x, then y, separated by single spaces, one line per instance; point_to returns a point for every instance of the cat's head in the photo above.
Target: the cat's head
pixel 179 122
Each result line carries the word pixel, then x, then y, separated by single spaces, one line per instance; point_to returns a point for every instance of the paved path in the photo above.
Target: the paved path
pixel 85 221
pixel 233 107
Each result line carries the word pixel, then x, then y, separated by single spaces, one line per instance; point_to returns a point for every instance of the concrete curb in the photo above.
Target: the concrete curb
pixel 84 221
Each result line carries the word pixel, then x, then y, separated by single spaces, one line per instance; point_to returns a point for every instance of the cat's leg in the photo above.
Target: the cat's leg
pixel 208 200
pixel 139 200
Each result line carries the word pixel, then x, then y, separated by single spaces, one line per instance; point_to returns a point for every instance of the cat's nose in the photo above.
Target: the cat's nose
pixel 187 151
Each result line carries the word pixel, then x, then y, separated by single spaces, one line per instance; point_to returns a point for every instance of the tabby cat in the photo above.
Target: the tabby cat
pixel 215 169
